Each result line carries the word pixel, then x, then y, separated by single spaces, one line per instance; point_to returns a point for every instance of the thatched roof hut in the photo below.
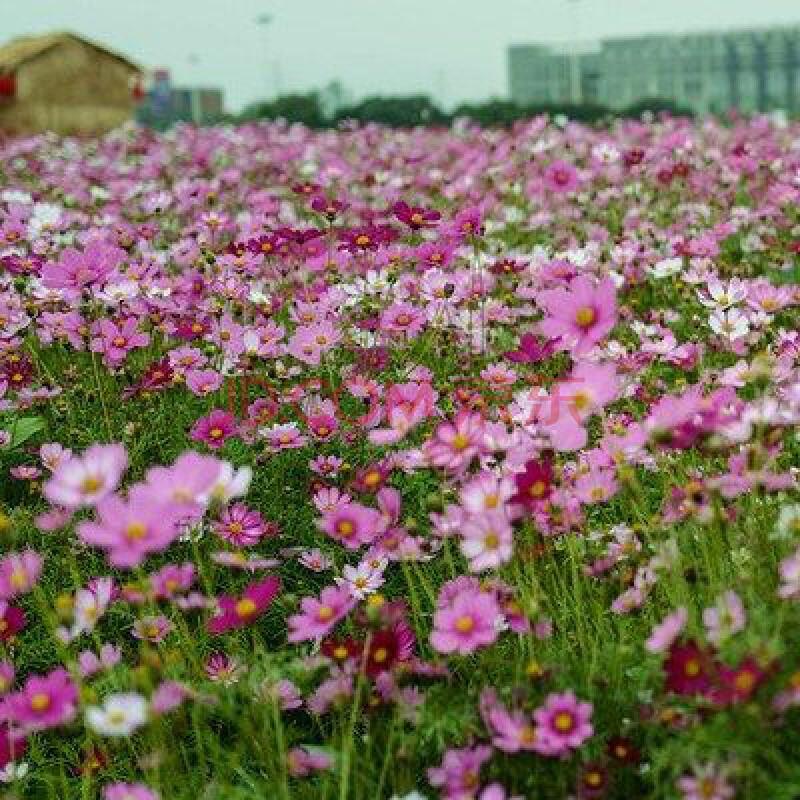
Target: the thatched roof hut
pixel 62 82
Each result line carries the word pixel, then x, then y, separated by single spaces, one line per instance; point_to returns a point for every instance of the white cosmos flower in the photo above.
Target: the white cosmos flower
pixel 120 715
pixel 14 771
pixel 361 580
pixel 721 296
pixel 230 483
pixel 666 267
pixel 731 324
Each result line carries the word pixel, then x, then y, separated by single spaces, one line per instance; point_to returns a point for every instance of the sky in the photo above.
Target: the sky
pixel 454 50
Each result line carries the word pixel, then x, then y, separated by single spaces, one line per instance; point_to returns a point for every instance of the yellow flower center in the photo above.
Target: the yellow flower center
pixel 692 668
pixel 324 613
pixel 90 484
pixel 585 316
pixel 564 722
pixel 460 441
pixel 465 624
pixel 245 607
pixel 40 702
pixel 537 489
pixel 380 655
pixel 136 530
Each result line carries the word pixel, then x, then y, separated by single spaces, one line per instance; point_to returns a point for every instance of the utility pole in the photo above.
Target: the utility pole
pixel 264 21
pixel 575 83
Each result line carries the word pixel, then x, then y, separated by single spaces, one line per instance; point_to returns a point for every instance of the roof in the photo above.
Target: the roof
pixel 23 49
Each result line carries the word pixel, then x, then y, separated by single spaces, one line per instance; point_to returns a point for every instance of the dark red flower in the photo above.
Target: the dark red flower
pixel 534 485
pixel 387 647
pixel 366 237
pixel 12 620
pixel 342 650
pixel 12 746
pixel 593 781
pixel 737 684
pixel 622 749
pixel 194 328
pixel 689 669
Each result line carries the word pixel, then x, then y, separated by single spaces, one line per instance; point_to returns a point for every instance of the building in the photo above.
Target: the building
pixel 64 83
pixel 200 105
pixel 752 70
pixel 164 104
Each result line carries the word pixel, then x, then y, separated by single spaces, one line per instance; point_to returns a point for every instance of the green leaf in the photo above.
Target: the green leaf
pixel 22 429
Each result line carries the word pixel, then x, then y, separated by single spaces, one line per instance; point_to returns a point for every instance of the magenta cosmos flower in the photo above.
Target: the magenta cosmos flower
pixel 45 701
pixel 214 429
pixel 580 315
pixel 238 612
pixel 563 723
pixel 467 622
pixel 85 479
pixel 318 617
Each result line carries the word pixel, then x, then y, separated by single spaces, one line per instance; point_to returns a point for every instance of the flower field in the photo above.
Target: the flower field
pixel 380 464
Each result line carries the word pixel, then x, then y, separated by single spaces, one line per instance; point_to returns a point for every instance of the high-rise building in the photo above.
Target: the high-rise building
pixel 752 70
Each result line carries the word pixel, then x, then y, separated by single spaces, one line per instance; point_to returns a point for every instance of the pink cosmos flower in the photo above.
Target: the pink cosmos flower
pixel 153 629
pixel 579 316
pixel 19 573
pixel 403 318
pixel 455 444
pixel 352 524
pixel 459 773
pixel 85 479
pixel 78 269
pixel 186 483
pixel 167 697
pixel 214 429
pixel 129 791
pixel 511 731
pixel 301 762
pixel 667 631
pixel 242 526
pixel 116 339
pixel 172 579
pixel 310 342
pixel 132 529
pixel 407 404
pixel 725 618
pixel 318 617
pixel 202 382
pixel 561 176
pixel 53 454
pixel 46 701
pixel 563 723
pixel 238 612
pixel 486 540
pixel 465 622
pixel 707 783
pixel 224 669
pixel 90 663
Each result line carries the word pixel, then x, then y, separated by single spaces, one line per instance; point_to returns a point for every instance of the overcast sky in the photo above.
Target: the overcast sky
pixel 452 49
